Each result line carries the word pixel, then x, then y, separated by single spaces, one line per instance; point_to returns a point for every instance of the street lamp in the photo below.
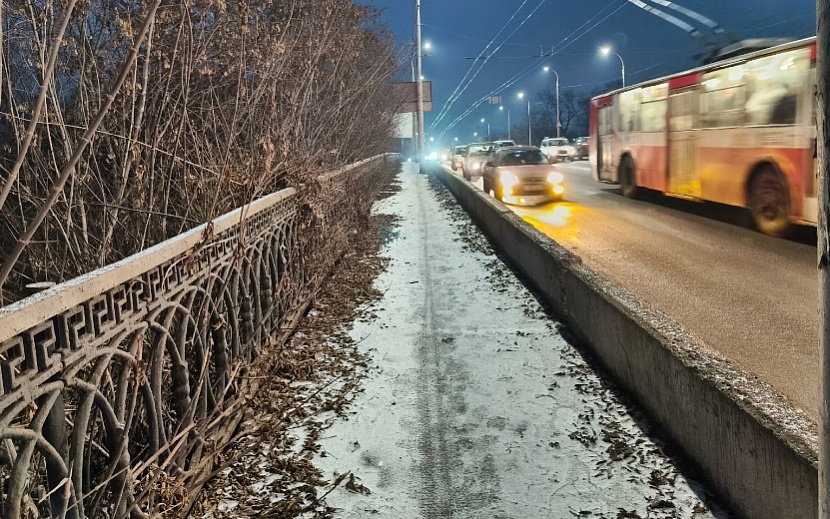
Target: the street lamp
pixel 529 134
pixel 606 51
pixel 508 120
pixel 488 128
pixel 558 123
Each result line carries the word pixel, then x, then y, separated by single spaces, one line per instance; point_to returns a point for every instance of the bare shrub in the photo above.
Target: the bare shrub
pixel 126 122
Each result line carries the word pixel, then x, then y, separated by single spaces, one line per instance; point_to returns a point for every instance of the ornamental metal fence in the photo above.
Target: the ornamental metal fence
pixel 118 388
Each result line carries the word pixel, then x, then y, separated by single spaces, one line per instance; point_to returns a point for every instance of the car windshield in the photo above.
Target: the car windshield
pixel 479 151
pixel 460 149
pixel 559 142
pixel 504 144
pixel 522 158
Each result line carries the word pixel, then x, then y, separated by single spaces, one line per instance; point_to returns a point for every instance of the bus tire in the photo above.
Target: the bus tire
pixel 627 177
pixel 769 201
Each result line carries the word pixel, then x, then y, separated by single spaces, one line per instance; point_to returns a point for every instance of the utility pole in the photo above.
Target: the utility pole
pixel 414 117
pixel 420 78
pixel 558 123
pixel 822 148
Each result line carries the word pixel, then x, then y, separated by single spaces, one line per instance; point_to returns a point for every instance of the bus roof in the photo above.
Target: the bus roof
pixel 715 65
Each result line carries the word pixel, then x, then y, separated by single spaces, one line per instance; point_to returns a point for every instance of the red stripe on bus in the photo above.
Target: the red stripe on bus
pixel 605 101
pixel 813 51
pixel 684 81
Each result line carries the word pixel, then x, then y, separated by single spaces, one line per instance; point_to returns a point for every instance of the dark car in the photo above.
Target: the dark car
pixel 581 145
pixel 522 171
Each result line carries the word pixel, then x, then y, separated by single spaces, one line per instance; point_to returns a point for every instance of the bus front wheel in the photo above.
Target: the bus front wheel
pixel 769 202
pixel 628 178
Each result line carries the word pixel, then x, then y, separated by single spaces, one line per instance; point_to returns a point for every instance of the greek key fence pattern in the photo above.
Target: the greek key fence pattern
pixel 126 380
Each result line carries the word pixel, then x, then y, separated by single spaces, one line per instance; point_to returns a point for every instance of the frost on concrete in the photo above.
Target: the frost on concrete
pixel 477 405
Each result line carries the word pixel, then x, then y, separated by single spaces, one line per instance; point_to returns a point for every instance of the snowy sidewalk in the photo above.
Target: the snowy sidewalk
pixel 476 406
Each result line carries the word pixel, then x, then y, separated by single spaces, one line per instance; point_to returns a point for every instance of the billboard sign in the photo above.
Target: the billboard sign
pixel 406 96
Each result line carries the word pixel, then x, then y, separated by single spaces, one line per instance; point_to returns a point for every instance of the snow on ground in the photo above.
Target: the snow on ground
pixel 477 405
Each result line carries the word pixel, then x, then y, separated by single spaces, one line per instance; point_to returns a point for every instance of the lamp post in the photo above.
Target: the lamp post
pixel 508 120
pixel 488 128
pixel 529 134
pixel 420 77
pixel 558 123
pixel 606 51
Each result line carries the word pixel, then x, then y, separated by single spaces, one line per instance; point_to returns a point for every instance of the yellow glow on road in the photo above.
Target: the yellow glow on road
pixel 555 220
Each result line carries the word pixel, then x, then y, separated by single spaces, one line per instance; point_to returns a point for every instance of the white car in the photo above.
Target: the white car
pixel 475 158
pixel 558 148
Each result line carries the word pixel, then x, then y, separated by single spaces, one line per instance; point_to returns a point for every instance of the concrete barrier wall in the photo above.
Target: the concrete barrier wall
pixel 757 451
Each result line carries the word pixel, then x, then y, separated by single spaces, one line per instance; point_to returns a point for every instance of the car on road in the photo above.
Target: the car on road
pixel 445 155
pixel 522 171
pixel 581 146
pixel 558 148
pixel 475 158
pixel 458 157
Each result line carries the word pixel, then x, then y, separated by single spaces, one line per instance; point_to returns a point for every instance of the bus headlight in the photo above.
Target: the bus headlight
pixel 555 177
pixel 507 179
pixel 558 189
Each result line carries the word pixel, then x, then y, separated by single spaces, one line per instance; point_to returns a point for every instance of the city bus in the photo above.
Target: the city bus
pixel 740 132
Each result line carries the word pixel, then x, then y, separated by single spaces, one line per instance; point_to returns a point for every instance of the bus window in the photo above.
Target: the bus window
pixel 682 111
pixel 653 108
pixel 629 111
pixel 774 83
pixel 653 116
pixel 723 99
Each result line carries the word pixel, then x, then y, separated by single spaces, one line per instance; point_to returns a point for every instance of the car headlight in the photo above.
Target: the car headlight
pixel 555 177
pixel 508 179
pixel 477 165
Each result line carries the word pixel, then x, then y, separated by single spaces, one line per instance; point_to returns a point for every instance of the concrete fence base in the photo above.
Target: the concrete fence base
pixel 756 450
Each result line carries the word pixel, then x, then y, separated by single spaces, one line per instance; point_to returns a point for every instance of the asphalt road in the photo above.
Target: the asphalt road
pixel 750 297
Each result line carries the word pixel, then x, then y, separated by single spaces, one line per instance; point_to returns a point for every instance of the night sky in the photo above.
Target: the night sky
pixel 650 46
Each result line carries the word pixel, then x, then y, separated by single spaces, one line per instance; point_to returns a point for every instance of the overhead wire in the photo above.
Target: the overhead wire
pixel 708 22
pixel 477 72
pixel 451 100
pixel 564 43
pixel 677 22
